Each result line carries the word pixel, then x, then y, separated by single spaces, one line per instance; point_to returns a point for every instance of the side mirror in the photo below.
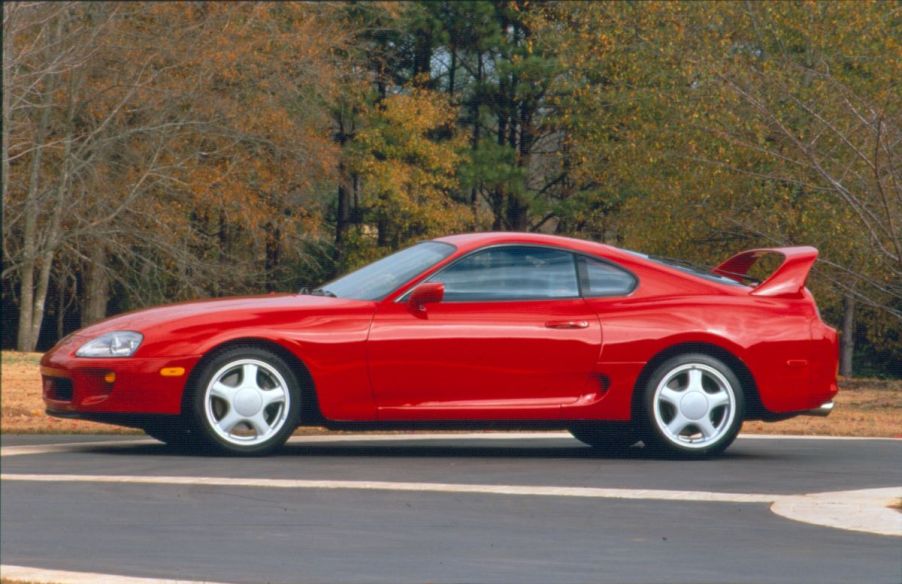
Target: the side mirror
pixel 426 293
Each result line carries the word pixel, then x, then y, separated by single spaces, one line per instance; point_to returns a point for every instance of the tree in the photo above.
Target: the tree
pixel 137 158
pixel 714 126
pixel 408 174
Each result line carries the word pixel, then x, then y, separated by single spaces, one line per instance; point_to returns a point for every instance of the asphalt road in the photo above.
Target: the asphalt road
pixel 312 535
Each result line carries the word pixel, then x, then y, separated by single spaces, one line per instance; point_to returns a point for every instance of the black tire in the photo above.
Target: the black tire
pixel 605 436
pixel 209 415
pixel 691 407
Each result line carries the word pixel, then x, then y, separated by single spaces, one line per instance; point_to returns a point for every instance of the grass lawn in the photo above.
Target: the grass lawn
pixel 864 407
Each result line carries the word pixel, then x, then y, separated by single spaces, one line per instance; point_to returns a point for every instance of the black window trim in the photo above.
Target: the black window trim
pixel 582 276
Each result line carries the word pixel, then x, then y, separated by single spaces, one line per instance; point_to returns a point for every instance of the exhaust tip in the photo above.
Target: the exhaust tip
pixel 821 411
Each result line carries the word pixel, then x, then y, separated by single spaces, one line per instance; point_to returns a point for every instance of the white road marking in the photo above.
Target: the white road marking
pixel 542 491
pixel 366 437
pixel 31 449
pixel 812 437
pixel 67 446
pixel 29 574
pixel 865 510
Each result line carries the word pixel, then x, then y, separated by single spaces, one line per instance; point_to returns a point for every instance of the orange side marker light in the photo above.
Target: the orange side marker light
pixel 172 371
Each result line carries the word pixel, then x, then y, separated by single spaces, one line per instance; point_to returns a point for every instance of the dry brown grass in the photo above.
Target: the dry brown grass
pixel 864 407
pixel 23 408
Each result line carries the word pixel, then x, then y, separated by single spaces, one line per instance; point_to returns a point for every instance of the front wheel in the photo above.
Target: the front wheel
pixel 246 401
pixel 692 407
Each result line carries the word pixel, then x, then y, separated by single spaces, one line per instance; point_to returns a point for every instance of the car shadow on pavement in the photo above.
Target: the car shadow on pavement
pixel 388 450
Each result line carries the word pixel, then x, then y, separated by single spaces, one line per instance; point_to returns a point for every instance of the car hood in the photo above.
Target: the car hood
pixel 142 320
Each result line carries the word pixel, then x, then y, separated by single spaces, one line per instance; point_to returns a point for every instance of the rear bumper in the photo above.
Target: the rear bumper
pixel 825 361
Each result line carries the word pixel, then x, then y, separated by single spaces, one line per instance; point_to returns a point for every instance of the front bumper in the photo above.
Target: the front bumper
pixel 75 385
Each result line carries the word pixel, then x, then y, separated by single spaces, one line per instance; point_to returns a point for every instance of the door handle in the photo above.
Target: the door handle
pixel 567 324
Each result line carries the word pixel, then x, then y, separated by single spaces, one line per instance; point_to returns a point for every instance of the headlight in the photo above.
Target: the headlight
pixel 115 344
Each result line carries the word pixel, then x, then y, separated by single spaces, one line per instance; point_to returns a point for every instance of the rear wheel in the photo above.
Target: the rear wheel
pixel 605 437
pixel 692 407
pixel 246 401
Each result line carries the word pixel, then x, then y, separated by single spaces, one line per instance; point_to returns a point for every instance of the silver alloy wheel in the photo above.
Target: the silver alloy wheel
pixel 694 406
pixel 247 402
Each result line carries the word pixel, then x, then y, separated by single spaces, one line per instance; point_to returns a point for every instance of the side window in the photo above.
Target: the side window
pixel 511 273
pixel 604 279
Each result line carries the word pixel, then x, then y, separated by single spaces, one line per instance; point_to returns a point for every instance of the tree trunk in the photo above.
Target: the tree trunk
pixel 498 193
pixel 847 337
pixel 381 230
pixel 8 16
pixel 343 214
pixel 40 298
pixel 452 72
pixel 26 303
pixel 31 308
pixel 58 206
pixel 476 137
pixel 517 216
pixel 60 308
pixel 54 232
pixel 422 58
pixel 25 340
pixel 96 287
pixel 273 254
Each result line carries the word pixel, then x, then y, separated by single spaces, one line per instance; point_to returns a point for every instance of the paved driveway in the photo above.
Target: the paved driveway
pixel 451 509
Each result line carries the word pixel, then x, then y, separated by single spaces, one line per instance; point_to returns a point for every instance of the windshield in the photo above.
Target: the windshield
pixel 378 279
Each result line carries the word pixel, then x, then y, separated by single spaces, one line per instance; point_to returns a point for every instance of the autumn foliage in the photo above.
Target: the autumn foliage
pixel 163 151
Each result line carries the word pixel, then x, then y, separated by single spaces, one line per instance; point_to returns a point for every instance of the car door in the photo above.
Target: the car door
pixel 511 339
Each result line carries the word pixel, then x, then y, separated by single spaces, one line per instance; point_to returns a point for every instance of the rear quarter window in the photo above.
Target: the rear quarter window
pixel 605 279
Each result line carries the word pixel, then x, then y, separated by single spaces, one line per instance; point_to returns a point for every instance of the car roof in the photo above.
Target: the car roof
pixel 469 241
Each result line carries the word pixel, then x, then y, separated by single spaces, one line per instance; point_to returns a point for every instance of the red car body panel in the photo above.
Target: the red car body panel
pixel 383 361
pixel 482 359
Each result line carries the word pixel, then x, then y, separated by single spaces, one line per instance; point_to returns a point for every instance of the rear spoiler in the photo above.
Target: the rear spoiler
pixel 787 280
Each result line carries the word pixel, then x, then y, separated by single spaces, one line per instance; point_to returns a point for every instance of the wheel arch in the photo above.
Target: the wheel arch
pixel 310 412
pixel 754 409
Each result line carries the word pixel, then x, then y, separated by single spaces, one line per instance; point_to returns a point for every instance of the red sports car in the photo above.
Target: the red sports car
pixel 487 330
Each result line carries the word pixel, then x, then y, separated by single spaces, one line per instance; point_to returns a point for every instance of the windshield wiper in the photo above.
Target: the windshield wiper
pixel 307 291
pixel 319 292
